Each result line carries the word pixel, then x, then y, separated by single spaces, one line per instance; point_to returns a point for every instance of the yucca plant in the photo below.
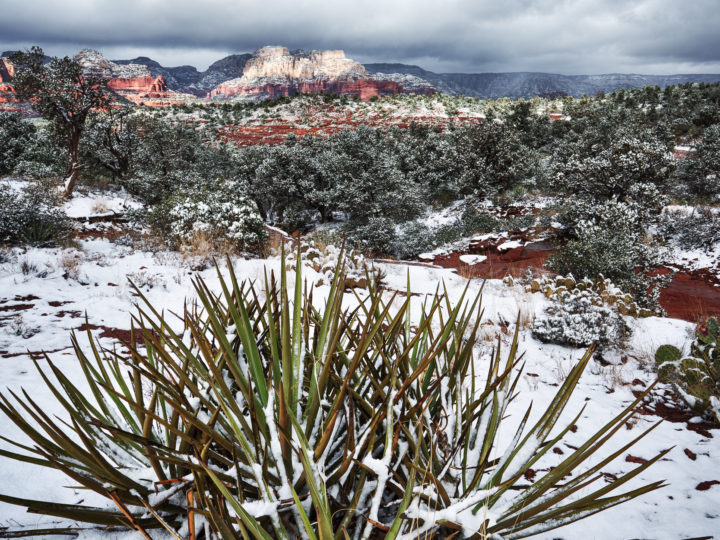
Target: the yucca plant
pixel 271 417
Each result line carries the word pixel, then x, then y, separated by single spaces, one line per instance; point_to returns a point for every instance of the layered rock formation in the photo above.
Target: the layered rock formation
pixel 187 79
pixel 276 71
pixel 134 82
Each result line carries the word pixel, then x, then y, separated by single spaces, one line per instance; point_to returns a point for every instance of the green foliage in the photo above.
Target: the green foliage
pixel 274 418
pixel 110 142
pixel 171 157
pixel 413 238
pixel 667 353
pixel 608 239
pixel 699 172
pixel 491 159
pixel 695 377
pixel 15 135
pixel 617 170
pixel 375 235
pixel 32 215
pixel 698 229
pixel 41 156
pixel 62 93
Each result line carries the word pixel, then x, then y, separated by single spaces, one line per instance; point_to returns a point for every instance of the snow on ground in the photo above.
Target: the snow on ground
pixel 99 205
pixel 45 293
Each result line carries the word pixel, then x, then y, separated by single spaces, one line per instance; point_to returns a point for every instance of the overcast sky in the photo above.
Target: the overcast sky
pixel 559 36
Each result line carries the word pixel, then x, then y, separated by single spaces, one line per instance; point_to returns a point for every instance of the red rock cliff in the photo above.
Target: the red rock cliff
pixel 7 70
pixel 146 85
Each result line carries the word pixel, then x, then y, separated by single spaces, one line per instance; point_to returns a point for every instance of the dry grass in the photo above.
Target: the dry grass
pixel 200 251
pixel 614 375
pixel 466 271
pixel 100 207
pixel 701 313
pixel 526 311
pixel 70 264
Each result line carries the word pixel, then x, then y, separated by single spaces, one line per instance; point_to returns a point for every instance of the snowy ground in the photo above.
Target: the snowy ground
pixel 45 293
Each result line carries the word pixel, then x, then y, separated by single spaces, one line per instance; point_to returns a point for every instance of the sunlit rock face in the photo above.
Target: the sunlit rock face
pixel 279 63
pixel 146 84
pixel 276 71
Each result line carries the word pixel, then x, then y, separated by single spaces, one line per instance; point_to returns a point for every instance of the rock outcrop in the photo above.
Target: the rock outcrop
pixel 276 71
pixel 8 103
pixel 133 81
pixel 410 83
pixel 188 80
pixel 7 70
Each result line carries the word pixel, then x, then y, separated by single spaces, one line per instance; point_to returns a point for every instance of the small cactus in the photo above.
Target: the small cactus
pixel 708 332
pixel 667 353
pixel 696 377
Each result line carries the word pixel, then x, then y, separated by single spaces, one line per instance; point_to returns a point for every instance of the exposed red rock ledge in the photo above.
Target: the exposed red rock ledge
pixel 7 70
pixel 365 89
pixel 146 84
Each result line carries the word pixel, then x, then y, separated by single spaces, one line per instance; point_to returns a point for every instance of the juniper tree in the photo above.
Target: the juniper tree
pixel 60 92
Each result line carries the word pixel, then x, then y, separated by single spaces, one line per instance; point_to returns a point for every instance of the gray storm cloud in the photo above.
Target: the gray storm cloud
pixel 564 36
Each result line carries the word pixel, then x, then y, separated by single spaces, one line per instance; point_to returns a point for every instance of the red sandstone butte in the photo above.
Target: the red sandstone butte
pixel 146 85
pixel 364 88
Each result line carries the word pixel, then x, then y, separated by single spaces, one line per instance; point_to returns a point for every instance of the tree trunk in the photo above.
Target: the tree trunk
pixel 73 166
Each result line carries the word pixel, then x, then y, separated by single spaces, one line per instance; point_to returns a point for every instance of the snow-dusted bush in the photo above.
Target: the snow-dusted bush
pixel 32 215
pixel 168 157
pixel 600 291
pixel 412 239
pixel 491 159
pixel 699 173
pixel 41 157
pixel 376 235
pixel 697 229
pixel 610 170
pixel 609 239
pixel 578 319
pixel 217 215
pixel 475 221
pixel 15 134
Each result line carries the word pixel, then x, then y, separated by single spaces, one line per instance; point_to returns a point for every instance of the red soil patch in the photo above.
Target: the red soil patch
pixel 113 333
pixel 669 409
pixel 17 307
pixel 691 296
pixel 499 263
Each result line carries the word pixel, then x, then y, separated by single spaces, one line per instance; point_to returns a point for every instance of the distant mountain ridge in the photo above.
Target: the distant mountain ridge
pixel 527 84
pixel 222 79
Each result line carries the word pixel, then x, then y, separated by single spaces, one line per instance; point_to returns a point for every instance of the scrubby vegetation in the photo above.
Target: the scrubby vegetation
pixel 31 215
pixel 608 160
